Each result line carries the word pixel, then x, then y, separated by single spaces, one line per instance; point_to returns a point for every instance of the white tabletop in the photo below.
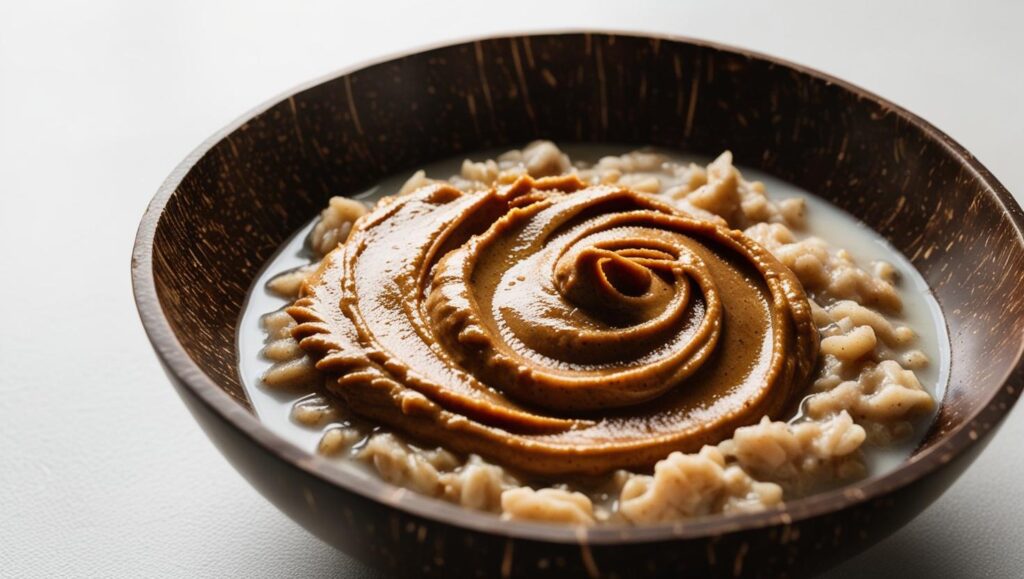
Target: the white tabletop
pixel 102 470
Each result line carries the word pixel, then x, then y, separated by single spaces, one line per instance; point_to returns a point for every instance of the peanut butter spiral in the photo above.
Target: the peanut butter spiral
pixel 555 327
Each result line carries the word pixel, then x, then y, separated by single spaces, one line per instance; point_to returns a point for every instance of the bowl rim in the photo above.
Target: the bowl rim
pixel 177 362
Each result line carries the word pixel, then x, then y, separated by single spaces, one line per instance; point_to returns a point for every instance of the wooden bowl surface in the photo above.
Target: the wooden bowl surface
pixel 230 204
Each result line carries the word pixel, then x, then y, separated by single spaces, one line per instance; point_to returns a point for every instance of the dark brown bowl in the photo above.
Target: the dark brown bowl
pixel 232 202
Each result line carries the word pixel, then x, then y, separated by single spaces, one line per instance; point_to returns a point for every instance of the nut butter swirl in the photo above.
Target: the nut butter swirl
pixel 554 327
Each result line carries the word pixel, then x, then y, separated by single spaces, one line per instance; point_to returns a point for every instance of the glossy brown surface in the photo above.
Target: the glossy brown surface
pixel 554 327
pixel 225 210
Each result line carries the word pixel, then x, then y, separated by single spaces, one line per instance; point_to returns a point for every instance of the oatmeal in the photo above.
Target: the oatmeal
pixel 624 341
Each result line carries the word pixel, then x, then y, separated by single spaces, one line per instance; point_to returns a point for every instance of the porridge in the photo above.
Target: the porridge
pixel 635 339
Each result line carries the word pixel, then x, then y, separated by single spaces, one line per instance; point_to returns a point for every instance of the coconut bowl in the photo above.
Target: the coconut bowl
pixel 229 205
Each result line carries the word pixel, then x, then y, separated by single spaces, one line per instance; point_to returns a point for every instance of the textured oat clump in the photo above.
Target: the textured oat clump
pixel 865 392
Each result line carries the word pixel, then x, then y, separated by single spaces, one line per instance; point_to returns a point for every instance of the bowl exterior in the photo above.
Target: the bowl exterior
pixel 403 544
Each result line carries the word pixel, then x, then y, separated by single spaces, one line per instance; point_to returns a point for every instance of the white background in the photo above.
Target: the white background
pixel 102 470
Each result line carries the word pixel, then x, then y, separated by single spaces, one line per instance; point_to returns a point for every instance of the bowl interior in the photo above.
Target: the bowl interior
pixel 231 205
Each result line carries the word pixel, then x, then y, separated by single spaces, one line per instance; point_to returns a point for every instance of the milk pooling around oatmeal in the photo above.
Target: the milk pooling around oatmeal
pixel 853 398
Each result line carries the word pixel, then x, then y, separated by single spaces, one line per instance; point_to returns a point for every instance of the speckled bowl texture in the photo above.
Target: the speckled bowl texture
pixel 232 202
